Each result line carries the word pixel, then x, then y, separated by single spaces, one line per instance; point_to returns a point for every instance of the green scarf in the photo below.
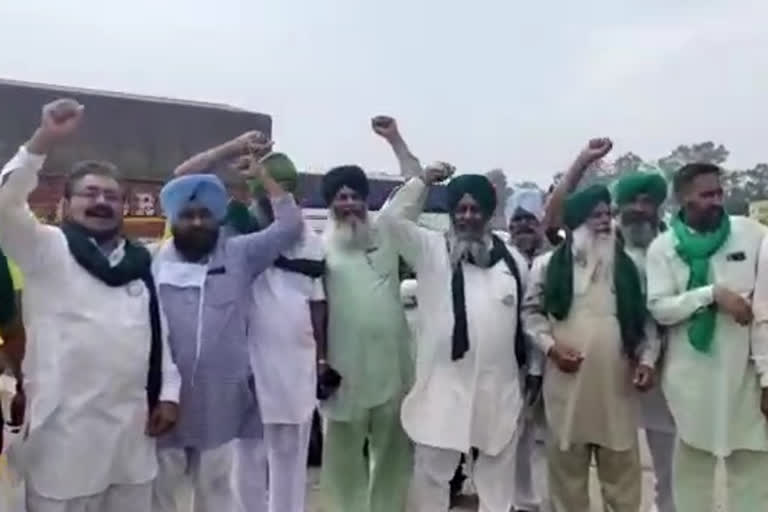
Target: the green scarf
pixel 695 249
pixel 7 293
pixel 630 300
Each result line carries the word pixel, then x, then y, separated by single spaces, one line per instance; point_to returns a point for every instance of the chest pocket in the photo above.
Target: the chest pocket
pixel 505 286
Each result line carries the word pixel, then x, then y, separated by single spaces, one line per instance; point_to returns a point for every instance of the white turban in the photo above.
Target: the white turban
pixel 529 199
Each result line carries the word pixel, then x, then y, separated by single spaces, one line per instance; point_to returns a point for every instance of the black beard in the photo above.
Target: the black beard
pixel 197 244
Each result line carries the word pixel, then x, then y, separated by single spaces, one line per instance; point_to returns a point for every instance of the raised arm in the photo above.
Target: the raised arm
pixel 668 305
pixel 262 248
pixel 387 128
pixel 209 160
pixel 31 244
pixel 595 150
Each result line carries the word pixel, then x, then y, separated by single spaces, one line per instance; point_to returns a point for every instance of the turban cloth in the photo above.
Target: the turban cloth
pixel 529 200
pixel 282 170
pixel 579 206
pixel 350 176
pixel 477 186
pixel 204 189
pixel 632 185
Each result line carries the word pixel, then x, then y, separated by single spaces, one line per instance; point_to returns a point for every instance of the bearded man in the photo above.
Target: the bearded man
pixel 701 277
pixel 467 392
pixel 98 372
pixel 204 278
pixel 369 365
pixel 585 309
pixel 639 197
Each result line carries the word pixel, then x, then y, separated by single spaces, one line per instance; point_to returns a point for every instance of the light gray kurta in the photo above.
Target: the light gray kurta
pixel 714 396
pixel 598 403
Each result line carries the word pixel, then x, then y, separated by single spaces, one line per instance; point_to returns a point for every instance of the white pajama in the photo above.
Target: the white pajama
pixel 435 467
pixel 117 498
pixel 529 453
pixel 662 447
pixel 209 473
pixel 280 459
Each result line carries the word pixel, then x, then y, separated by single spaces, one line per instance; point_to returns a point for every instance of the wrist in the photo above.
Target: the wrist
pixel 39 143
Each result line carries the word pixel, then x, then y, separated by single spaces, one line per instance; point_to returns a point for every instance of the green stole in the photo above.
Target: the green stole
pixel 696 249
pixel 7 293
pixel 630 299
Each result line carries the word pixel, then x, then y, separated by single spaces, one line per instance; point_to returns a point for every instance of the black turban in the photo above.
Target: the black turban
pixel 350 176
pixel 477 186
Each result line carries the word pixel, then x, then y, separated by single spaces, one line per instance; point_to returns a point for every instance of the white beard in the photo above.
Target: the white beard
pixel 353 234
pixel 463 248
pixel 594 253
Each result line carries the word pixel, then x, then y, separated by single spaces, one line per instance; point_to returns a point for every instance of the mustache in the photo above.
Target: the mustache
pixel 100 211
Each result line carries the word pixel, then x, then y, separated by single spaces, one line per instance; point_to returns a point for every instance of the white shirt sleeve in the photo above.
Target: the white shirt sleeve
pixel 318 290
pixel 32 245
pixel 536 321
pixel 759 338
pixel 171 386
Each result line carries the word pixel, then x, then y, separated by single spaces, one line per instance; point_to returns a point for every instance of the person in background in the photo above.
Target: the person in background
pixel 467 392
pixel 702 274
pixel 286 341
pixel 585 309
pixel 369 365
pixel 525 210
pixel 639 197
pixel 204 277
pixel 97 369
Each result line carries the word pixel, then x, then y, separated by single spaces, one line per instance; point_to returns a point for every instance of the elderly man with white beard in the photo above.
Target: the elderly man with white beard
pixel 467 392
pixel 585 309
pixel 369 366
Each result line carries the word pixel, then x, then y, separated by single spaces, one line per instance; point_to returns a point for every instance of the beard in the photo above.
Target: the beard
pixel 469 247
pixel 352 232
pixel 596 251
pixel 195 244
pixel 639 234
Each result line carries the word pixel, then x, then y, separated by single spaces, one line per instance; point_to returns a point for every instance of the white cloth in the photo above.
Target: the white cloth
pixel 117 498
pixel 714 396
pixel 208 474
pixel 434 468
pixel 282 341
pixel 475 401
pixel 283 453
pixel 529 199
pixel 87 359
pixel 528 453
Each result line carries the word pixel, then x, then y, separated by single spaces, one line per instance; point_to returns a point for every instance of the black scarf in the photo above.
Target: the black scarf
pixel 460 340
pixel 7 293
pixel 136 264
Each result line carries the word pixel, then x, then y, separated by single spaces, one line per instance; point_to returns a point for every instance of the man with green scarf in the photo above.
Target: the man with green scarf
pixel 701 279
pixel 585 309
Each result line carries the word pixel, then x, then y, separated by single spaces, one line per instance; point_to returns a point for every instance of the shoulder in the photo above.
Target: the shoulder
pixel 746 227
pixel 662 244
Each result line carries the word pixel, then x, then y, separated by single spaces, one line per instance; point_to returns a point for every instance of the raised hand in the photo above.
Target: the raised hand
pixel 385 126
pixel 438 172
pixel 595 150
pixel 253 142
pixel 60 119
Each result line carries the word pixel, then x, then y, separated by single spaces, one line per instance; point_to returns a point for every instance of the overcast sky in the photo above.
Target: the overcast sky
pixel 483 84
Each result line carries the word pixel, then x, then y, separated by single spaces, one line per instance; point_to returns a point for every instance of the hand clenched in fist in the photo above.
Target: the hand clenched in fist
pixel 60 119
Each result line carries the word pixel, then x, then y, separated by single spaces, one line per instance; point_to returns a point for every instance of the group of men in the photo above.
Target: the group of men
pixel 194 367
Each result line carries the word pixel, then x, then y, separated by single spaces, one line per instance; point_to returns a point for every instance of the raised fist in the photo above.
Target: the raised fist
pixel 252 143
pixel 60 119
pixel 596 149
pixel 385 126
pixel 438 172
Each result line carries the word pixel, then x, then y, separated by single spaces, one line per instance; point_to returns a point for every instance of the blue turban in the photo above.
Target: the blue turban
pixel 204 189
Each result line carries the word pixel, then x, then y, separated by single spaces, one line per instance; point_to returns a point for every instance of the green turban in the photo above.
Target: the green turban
pixel 282 170
pixel 580 205
pixel 477 186
pixel 632 185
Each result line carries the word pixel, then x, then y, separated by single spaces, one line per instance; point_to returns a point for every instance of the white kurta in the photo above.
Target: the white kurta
pixel 475 401
pixel 714 396
pixel 87 358
pixel 282 342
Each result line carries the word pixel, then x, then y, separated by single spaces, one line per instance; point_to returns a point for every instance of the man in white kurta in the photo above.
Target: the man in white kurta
pixel 288 299
pixel 465 395
pixel 88 341
pixel 573 311
pixel 714 378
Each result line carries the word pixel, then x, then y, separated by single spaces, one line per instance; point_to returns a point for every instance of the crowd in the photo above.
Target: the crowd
pixel 197 364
